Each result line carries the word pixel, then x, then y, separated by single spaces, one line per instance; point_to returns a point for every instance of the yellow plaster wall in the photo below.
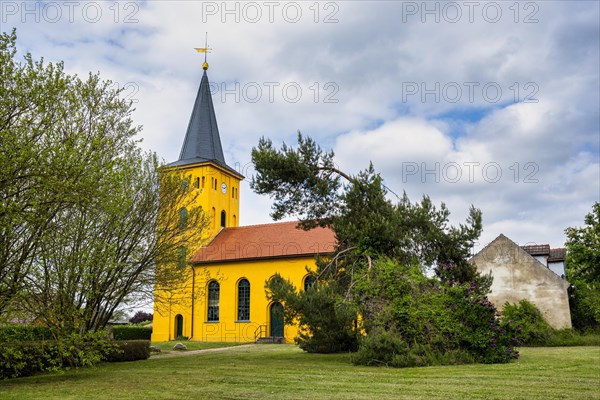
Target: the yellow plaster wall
pixel 228 329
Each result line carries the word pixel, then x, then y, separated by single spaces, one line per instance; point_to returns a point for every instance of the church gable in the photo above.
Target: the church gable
pixel 518 275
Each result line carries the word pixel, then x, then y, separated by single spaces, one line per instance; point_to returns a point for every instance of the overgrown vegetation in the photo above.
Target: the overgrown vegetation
pixel 374 293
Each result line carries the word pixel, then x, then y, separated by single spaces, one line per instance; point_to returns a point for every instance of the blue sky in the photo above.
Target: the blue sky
pixel 494 104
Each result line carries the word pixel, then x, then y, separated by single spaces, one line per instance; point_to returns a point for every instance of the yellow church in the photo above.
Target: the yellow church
pixel 224 299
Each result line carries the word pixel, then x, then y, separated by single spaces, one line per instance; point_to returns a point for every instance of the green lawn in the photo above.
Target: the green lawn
pixel 285 372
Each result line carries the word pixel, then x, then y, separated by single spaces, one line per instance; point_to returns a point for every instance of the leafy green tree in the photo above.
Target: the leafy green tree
pixel 376 282
pixel 82 220
pixel 583 271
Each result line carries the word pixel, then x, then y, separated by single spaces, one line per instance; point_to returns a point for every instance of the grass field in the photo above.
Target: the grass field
pixel 285 372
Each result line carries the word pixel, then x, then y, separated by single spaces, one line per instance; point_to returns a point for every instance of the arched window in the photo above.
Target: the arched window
pixel 182 257
pixel 197 182
pixel 183 218
pixel 214 217
pixel 309 281
pixel 213 301
pixel 185 184
pixel 243 300
pixel 223 218
pixel 234 220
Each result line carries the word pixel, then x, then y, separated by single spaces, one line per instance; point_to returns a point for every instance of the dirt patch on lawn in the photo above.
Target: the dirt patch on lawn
pixel 180 353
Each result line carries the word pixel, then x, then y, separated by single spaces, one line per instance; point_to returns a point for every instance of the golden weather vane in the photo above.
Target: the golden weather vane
pixel 204 50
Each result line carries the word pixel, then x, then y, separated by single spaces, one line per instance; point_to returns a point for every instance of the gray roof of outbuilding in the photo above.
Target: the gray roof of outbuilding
pixel 202 141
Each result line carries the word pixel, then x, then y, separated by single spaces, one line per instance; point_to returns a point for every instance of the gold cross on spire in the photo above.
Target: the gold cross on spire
pixel 204 50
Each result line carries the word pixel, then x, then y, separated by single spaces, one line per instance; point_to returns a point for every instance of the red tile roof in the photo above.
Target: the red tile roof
pixel 266 241
pixel 537 249
pixel 557 255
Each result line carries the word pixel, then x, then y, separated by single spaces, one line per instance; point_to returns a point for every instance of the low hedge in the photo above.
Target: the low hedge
pixel 131 332
pixel 29 357
pixel 24 333
pixel 129 350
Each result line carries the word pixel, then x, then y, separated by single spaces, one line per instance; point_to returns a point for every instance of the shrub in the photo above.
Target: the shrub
pixel 534 330
pixel 380 348
pixel 131 332
pixel 388 349
pixel 129 350
pixel 23 333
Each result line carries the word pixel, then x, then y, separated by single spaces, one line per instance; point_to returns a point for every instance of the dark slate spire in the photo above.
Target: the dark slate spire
pixel 202 142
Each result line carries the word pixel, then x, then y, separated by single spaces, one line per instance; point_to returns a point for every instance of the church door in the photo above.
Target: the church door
pixel 276 315
pixel 178 326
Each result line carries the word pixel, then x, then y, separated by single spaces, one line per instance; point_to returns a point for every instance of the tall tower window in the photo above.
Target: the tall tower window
pixel 223 218
pixel 197 182
pixel 203 181
pixel 243 300
pixel 185 184
pixel 183 218
pixel 182 257
pixel 214 217
pixel 213 301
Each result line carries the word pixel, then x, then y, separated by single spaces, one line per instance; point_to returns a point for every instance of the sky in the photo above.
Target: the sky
pixel 483 103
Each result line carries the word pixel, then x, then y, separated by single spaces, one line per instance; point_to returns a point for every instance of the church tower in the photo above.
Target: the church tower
pixel 202 162
pixel 222 296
